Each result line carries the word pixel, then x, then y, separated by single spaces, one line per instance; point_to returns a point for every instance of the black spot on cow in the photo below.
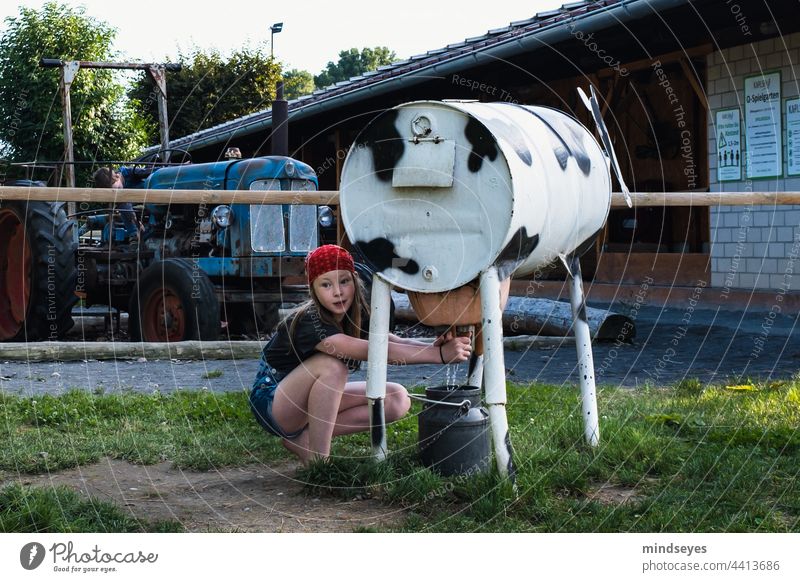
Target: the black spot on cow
pixel 380 254
pixel 516 251
pixel 512 470
pixel 514 137
pixel 575 268
pixel 473 362
pixel 562 155
pixel 566 139
pixel 587 244
pixel 582 312
pixel 385 143
pixel 377 422
pixel 577 148
pixel 483 144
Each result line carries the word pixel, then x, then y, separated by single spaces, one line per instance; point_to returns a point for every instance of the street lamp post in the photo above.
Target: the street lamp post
pixel 274 29
pixel 280 108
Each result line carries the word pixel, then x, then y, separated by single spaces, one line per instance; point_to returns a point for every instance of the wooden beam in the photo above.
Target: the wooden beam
pixel 331 197
pixel 705 198
pixel 609 95
pixel 696 51
pixel 80 350
pixel 529 315
pixel 169 196
pixel 693 81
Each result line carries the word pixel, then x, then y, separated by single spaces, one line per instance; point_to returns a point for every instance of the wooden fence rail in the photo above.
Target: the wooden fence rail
pixel 212 197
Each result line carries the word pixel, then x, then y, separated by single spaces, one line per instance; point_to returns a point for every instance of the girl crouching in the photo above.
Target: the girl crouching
pixel 301 393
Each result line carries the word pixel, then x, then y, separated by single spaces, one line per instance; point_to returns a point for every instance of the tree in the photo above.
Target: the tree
pixel 209 90
pixel 104 127
pixel 353 63
pixel 297 83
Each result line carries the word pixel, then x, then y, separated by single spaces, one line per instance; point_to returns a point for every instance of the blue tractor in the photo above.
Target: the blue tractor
pixel 194 271
pixel 191 272
pixel 197 265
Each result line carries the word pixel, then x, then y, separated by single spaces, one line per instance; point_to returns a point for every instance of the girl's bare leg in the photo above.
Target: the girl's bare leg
pixel 308 395
pixel 298 446
pixel 354 409
pixel 311 395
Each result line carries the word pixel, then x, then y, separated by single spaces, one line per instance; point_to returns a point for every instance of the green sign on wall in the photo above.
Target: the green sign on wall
pixel 729 145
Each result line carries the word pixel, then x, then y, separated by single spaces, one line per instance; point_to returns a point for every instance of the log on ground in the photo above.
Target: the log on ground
pixel 76 351
pixel 538 316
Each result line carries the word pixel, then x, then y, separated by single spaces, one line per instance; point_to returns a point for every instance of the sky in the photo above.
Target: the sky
pixel 314 31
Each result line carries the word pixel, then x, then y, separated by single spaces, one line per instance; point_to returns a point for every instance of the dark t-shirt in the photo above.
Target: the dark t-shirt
pixel 284 355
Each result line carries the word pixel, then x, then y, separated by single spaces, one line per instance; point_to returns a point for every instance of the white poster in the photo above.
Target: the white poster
pixel 729 145
pixel 762 115
pixel 793 136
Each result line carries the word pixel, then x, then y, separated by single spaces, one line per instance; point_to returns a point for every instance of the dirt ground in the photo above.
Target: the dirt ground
pixel 254 498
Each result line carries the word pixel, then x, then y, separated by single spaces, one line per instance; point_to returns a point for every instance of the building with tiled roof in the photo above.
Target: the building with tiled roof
pixel 669 73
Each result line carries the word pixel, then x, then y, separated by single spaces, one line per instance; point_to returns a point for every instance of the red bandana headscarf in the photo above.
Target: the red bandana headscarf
pixel 328 258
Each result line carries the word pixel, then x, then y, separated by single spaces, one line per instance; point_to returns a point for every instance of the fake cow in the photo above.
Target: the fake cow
pixel 441 196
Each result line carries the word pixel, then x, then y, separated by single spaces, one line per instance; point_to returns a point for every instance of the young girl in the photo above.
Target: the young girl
pixel 301 392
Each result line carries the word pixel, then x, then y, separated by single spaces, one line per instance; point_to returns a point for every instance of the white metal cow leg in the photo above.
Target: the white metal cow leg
pixel 583 343
pixel 495 371
pixel 377 359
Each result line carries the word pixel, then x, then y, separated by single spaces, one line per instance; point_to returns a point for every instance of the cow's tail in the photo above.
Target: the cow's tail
pixel 594 108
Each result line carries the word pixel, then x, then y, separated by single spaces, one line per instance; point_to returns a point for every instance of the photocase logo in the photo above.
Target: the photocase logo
pixel 32 555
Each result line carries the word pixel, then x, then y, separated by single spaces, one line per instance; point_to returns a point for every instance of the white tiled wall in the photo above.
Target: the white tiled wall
pixel 756 247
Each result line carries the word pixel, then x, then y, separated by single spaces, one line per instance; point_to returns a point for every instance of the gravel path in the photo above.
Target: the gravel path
pixel 671 344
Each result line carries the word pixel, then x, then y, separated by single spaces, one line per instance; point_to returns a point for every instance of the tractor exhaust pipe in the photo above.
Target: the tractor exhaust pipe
pixel 280 123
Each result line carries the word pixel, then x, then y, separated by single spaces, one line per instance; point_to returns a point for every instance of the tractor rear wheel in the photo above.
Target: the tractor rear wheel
pixel 173 301
pixel 37 271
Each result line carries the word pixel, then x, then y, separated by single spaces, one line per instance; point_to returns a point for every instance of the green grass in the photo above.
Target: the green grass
pixel 59 509
pixel 691 458
pixel 212 374
pixel 193 430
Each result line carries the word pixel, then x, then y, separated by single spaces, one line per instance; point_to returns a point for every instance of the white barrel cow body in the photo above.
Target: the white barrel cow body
pixel 439 195
pixel 434 193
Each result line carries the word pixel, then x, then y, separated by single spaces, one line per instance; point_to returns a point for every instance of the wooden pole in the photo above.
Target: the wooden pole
pixel 169 196
pixel 68 72
pixel 331 197
pixel 157 74
pixel 540 316
pixel 706 198
pixel 78 350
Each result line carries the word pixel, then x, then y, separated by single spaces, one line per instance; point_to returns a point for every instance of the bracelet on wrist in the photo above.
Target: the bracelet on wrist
pixel 441 354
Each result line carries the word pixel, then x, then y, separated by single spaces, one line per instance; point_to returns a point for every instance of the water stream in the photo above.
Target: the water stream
pixel 452 375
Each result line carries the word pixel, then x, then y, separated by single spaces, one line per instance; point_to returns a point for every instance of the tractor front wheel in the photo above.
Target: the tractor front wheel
pixel 173 301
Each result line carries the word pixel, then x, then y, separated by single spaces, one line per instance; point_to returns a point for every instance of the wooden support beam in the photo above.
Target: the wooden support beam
pixel 609 95
pixel 697 51
pixel 695 83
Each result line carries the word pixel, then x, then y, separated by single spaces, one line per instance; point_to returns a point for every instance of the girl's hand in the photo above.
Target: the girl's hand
pixel 456 350
pixel 445 337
